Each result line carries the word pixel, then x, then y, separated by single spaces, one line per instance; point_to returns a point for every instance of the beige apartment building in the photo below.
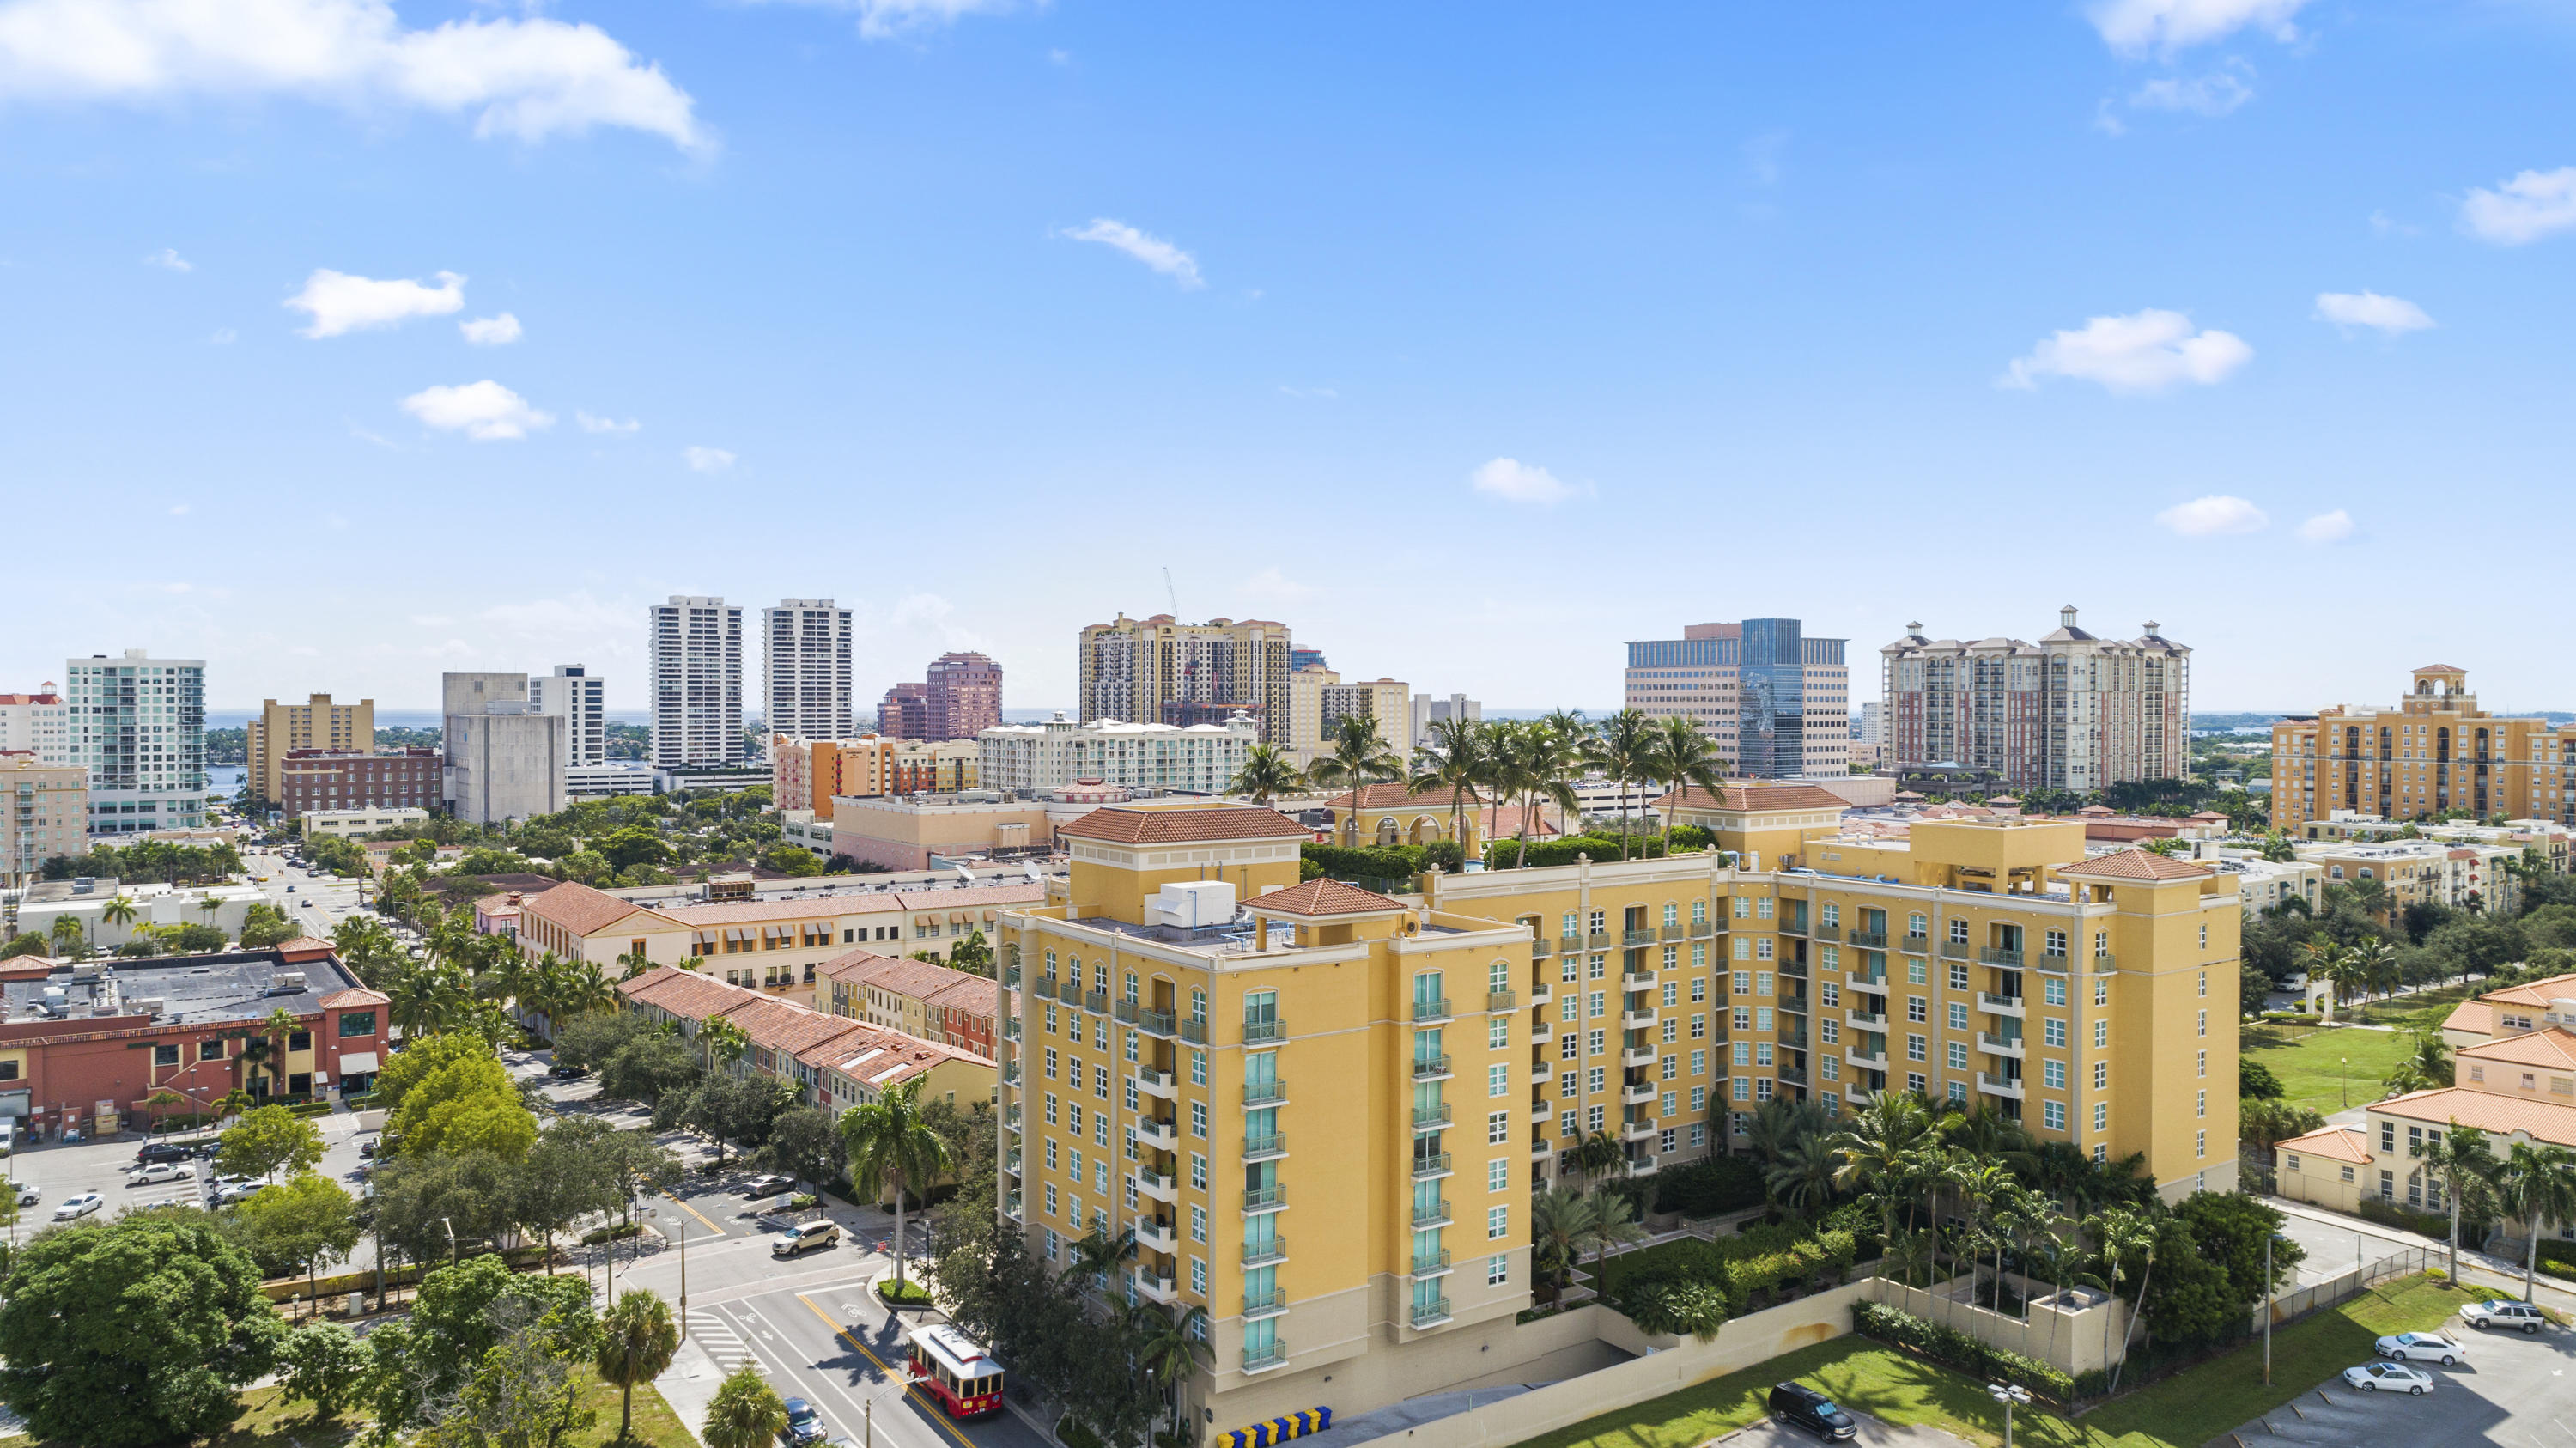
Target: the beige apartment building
pixel 2071 710
pixel 903 832
pixel 1318 701
pixel 809 774
pixel 316 723
pixel 46 814
pixel 1159 670
pixel 2435 752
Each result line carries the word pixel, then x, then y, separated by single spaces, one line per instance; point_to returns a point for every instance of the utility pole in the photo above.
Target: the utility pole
pixel 2267 1311
pixel 684 1281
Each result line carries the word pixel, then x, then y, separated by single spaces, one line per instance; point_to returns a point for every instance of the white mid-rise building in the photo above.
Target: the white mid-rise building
pixel 805 673
pixel 579 697
pixel 37 724
pixel 502 759
pixel 2071 711
pixel 696 649
pixel 138 724
pixel 1430 709
pixel 1192 759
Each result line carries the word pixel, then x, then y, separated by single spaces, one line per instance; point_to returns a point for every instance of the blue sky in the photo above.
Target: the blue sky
pixel 1469 340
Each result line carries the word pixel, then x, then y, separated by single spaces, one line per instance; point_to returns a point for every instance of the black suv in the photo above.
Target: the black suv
pixel 162 1151
pixel 1806 1408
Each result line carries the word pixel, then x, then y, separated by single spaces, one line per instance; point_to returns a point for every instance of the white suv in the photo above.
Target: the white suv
pixel 2485 1315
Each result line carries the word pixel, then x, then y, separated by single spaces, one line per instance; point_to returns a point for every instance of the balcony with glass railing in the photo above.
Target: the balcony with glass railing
pixel 1431 1214
pixel 1264 1093
pixel 1429 1011
pixel 1258 1305
pixel 1263 1254
pixel 1431 1313
pixel 1431 1164
pixel 1258 1032
pixel 1431 1068
pixel 1265 1198
pixel 1265 1146
pixel 1263 1357
pixel 1430 1264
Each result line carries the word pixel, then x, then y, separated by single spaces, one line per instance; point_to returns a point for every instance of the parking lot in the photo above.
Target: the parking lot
pixel 2336 1247
pixel 2512 1390
pixel 58 1172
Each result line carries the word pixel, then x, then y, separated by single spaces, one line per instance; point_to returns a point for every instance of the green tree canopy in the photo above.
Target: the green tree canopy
pixel 649 1068
pixel 746 1412
pixel 133 1332
pixel 305 1222
pixel 428 1054
pixel 266 1140
pixel 467 1105
pixel 419 1199
pixel 326 1365
pixel 732 1111
pixel 638 1337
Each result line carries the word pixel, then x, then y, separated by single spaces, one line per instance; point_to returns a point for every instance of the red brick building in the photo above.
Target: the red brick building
pixel 318 779
pixel 86 1045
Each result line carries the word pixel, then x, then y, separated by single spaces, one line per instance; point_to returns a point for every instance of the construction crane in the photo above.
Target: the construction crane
pixel 1170 594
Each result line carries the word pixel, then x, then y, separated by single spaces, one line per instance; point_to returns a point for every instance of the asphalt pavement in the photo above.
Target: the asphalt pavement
pixel 2513 1390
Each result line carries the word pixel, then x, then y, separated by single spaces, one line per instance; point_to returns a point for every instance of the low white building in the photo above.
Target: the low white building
pixel 609 778
pixel 1192 759
pixel 349 822
pixel 154 905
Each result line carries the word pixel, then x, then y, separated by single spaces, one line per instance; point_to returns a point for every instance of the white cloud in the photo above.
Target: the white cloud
pixel 879 19
pixel 2142 352
pixel 2331 527
pixel 178 510
pixel 527 77
pixel 222 336
pixel 2214 94
pixel 708 459
pixel 2532 205
pixel 485 411
pixel 2391 315
pixel 606 424
pixel 338 302
pixel 1309 391
pixel 498 331
pixel 2218 513
pixel 1514 481
pixel 1153 251
pixel 168 257
pixel 2134 27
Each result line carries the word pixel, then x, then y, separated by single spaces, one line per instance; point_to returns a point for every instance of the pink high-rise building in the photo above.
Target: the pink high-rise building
pixel 960 698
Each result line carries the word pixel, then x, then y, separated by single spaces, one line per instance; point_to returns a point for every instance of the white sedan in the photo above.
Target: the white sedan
pixel 2429 1347
pixel 2389 1378
pixel 159 1171
pixel 79 1206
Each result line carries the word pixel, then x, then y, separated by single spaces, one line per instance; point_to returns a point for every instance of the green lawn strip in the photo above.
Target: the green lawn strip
pixel 273 1420
pixel 2422 1011
pixel 1659 1260
pixel 2316 1070
pixel 2184 1411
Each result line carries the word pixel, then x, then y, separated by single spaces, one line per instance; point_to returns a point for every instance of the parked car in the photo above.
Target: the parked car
pixel 159 1171
pixel 767 1186
pixel 1800 1406
pixel 161 1151
pixel 567 1073
pixel 79 1206
pixel 2429 1347
pixel 804 1424
pixel 804 1237
pixel 2388 1378
pixel 2486 1315
pixel 28 1196
pixel 367 1148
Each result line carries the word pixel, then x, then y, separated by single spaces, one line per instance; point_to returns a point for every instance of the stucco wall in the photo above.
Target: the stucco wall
pixel 2072 1342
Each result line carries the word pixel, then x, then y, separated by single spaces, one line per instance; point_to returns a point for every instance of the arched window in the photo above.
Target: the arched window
pixel 1387 833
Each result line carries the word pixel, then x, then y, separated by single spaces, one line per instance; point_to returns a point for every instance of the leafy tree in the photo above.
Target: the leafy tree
pixel 2264 1124
pixel 326 1365
pixel 892 1148
pixel 266 1139
pixel 2253 987
pixel 298 1225
pixel 2230 1231
pixel 423 1057
pixel 2255 1081
pixel 746 1413
pixel 138 1331
pixel 729 1110
pixel 28 944
pixel 464 1310
pixel 648 1068
pixel 793 860
pixel 419 1200
pixel 589 867
pixel 470 1105
pixel 568 1175
pixel 974 955
pixel 634 846
pixel 637 1340
pixel 803 1144
pixel 523 1394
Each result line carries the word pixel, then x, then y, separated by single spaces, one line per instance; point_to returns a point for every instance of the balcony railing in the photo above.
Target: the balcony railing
pixel 1257 1032
pixel 1431 1313
pixel 1637 1056
pixel 1435 1214
pixel 1427 1117
pixel 1600 940
pixel 1794 969
pixel 1918 944
pixel 1869 939
pixel 2009 1004
pixel 1011 978
pixel 2009 1086
pixel 1262 1359
pixel 1155 1081
pixel 1262 1254
pixel 1154 1022
pixel 1427 1011
pixel 1264 1093
pixel 1542 948
pixel 1153 1181
pixel 1265 1304
pixel 1791 927
pixel 1429 1068
pixel 1541 993
pixel 1265 1146
pixel 1569 944
pixel 1670 933
pixel 1502 1000
pixel 2051 964
pixel 1865 1021
pixel 1158 1133
pixel 1431 1165
pixel 1955 950
pixel 2104 963
pixel 1427 1263
pixel 1636 1091
pixel 1796 1004
pixel 1636 937
pixel 1826 932
pixel 1873 980
pixel 1265 1199
pixel 1793 1075
pixel 1096 1002
pixel 1156 1233
pixel 1046 986
pixel 1998 955
pixel 1194 1031
pixel 1637 1020
pixel 2000 1045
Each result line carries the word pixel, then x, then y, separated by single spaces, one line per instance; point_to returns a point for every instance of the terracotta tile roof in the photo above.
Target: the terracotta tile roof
pixel 819 907
pixel 302 945
pixel 2335 1143
pixel 1183 826
pixel 2485 1110
pixel 351 999
pixel 2535 994
pixel 2137 865
pixel 788 1028
pixel 917 978
pixel 2476 1016
pixel 686 994
pixel 1755 798
pixel 882 1056
pixel 578 908
pixel 1324 897
pixel 1386 795
pixel 2550 1046
pixel 973 995
pixel 1503 822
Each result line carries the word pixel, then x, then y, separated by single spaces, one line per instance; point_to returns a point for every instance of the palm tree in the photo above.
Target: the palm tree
pixel 1980 1185
pixel 1596 1152
pixel 1267 772
pixel 638 1339
pixel 1804 1176
pixel 892 1147
pixel 1614 1223
pixel 2123 1233
pixel 280 1025
pixel 2326 962
pixel 1171 1352
pixel 69 939
pixel 1681 756
pixel 1534 759
pixel 2464 1162
pixel 2537 1184
pixel 1910 1254
pixel 2425 1067
pixel 119 912
pixel 633 964
pixel 724 1042
pixel 1092 1257
pixel 1875 1153
pixel 746 1412
pixel 1358 758
pixel 1625 752
pixel 2375 960
pixel 210 905
pixel 1458 761
pixel 1560 1222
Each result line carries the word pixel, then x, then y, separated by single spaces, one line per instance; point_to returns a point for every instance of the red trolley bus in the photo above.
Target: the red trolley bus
pixel 955 1371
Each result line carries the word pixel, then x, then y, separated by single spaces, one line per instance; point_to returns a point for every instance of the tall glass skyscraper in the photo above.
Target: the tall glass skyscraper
pixel 1776 702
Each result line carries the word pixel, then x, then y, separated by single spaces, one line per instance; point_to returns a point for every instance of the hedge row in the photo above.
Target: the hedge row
pixel 2422 1224
pixel 1376 862
pixel 1710 1186
pixel 1957 1350
pixel 1750 1269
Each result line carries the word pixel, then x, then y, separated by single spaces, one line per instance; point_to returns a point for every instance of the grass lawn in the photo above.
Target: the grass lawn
pixel 2422 1011
pixel 2183 1411
pixel 274 1420
pixel 2316 1069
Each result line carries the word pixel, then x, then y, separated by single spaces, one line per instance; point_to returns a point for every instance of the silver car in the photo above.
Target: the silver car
pixel 2429 1347
pixel 2388 1378
pixel 2485 1316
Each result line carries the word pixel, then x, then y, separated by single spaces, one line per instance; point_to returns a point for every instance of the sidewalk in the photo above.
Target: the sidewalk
pixel 2483 1269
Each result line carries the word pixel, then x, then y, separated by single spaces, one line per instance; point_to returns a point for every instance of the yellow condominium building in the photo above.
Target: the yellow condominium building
pixel 1225 1060
pixel 2435 752
pixel 316 723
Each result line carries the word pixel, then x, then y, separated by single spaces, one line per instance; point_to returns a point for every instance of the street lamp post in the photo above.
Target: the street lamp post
pixel 451 1240
pixel 2008 1394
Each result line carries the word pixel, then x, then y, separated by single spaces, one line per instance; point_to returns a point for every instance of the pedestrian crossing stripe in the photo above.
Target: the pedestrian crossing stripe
pixel 720 1341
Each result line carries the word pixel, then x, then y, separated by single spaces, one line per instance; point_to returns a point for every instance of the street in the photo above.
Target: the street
pixel 320 900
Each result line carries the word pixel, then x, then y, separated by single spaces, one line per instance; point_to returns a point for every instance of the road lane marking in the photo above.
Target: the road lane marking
pixel 937 1414
pixel 694 1212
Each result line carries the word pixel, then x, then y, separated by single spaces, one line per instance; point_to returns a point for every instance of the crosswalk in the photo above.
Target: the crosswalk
pixel 720 1340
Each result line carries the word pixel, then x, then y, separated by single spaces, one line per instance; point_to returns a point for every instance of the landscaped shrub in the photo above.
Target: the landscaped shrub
pixel 1677 1307
pixel 1955 1349
pixel 1504 854
pixel 913 1294
pixel 2427 1224
pixel 1374 862
pixel 2557 1257
pixel 1710 1186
